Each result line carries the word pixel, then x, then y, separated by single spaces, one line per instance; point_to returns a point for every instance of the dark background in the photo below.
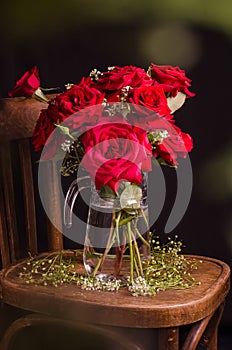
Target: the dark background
pixel 66 40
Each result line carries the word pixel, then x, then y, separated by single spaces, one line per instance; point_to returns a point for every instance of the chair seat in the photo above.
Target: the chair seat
pixel 170 308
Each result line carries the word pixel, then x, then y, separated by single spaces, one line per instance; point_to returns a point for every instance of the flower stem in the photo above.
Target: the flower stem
pixel 117 220
pixel 144 218
pixel 136 267
pixel 131 253
pixel 142 238
pixel 137 254
pixel 109 244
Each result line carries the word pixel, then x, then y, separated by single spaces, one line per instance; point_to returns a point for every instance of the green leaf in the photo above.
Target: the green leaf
pixel 122 187
pixel 130 197
pixel 56 158
pixel 39 95
pixel 49 89
pixel 161 161
pixel 64 130
pixel 107 192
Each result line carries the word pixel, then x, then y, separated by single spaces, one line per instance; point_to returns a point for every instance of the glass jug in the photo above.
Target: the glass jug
pixel 116 238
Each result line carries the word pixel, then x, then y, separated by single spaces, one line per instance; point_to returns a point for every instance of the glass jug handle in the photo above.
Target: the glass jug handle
pixel 70 199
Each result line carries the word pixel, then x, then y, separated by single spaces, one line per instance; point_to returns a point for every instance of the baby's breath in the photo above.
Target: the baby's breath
pixel 98 283
pixel 165 269
pixel 66 146
pixel 53 269
pixel 168 268
pixel 140 286
pixel 95 74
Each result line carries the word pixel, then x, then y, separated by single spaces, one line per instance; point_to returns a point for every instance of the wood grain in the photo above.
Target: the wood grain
pixel 18 116
pixel 169 308
pixel 28 195
pixel 6 163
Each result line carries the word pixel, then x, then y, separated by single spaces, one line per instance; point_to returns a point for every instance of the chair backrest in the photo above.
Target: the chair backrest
pixel 24 225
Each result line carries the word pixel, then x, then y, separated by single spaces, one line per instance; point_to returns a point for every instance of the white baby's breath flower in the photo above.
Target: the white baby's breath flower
pixel 66 146
pixel 94 74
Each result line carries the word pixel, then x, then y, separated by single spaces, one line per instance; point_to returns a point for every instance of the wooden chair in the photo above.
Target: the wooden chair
pixel 21 227
pixel 174 319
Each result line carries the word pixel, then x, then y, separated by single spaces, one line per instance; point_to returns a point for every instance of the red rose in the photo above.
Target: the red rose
pixel 44 128
pixel 87 81
pixel 119 77
pixel 114 152
pixel 151 98
pixel 27 84
pixel 76 98
pixel 172 79
pixel 176 145
pixel 66 105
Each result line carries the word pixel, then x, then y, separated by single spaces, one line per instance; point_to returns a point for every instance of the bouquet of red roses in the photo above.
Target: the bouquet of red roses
pixel 113 123
pixel 131 104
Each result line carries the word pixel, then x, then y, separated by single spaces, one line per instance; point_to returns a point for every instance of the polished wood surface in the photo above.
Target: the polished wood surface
pixel 18 116
pixel 167 308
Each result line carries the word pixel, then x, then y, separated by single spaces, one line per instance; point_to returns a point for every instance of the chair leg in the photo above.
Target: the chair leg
pixel 168 338
pixel 195 334
pixel 204 332
pixel 210 337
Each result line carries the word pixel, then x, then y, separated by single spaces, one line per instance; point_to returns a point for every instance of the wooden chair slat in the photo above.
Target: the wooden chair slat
pixel 28 195
pixel 4 244
pixel 9 200
pixel 50 175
